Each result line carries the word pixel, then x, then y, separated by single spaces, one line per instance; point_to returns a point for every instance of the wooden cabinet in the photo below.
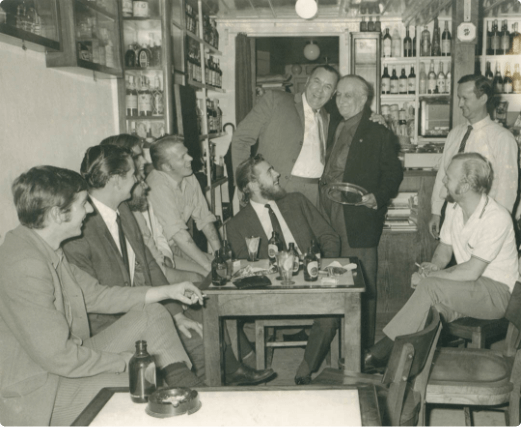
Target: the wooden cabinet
pixel 90 37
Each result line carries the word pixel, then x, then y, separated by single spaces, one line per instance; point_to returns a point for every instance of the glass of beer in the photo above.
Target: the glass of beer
pixel 253 247
pixel 285 266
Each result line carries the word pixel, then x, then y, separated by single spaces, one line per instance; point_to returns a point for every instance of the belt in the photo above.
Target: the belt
pixel 304 180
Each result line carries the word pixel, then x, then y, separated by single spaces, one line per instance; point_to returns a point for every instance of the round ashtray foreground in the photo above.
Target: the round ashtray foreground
pixel 170 402
pixel 345 193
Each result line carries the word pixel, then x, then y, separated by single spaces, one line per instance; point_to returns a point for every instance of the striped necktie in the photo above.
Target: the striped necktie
pixel 321 142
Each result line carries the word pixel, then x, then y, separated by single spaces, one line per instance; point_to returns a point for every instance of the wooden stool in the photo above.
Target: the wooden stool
pixel 262 345
pixel 476 332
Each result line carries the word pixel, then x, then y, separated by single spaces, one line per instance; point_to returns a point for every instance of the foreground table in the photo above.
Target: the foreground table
pixel 302 298
pixel 242 406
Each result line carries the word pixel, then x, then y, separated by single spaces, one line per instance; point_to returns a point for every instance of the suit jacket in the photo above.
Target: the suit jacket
pixel 373 164
pixel 96 253
pixel 304 221
pixel 277 123
pixel 44 303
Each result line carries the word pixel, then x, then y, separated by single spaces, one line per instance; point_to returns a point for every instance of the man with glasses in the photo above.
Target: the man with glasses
pixel 291 131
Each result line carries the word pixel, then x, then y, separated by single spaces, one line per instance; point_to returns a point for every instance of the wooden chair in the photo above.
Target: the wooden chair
pixel 264 347
pixel 402 387
pixel 476 333
pixel 481 377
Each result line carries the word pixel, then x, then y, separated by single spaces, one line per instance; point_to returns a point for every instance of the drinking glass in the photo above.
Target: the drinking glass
pixel 285 265
pixel 253 247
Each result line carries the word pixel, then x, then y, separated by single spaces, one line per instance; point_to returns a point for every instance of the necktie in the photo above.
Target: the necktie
pixel 275 224
pixel 123 244
pixel 320 128
pixel 464 140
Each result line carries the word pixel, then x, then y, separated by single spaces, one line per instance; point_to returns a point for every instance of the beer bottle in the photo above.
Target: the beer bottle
pixel 310 266
pixel 274 246
pixel 296 259
pixel 219 270
pixel 316 250
pixel 228 256
pixel 142 374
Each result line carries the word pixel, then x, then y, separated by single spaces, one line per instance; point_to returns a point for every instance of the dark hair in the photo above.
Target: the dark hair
pixel 245 174
pixel 477 170
pixel 40 189
pixel 124 140
pixel 328 68
pixel 158 149
pixel 101 162
pixel 482 86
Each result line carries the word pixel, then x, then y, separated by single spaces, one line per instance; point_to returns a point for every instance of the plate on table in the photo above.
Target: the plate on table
pixel 345 193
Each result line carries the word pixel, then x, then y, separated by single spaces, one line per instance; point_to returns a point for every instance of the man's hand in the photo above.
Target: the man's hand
pixel 185 292
pixel 426 268
pixel 184 324
pixel 369 201
pixel 377 118
pixel 434 226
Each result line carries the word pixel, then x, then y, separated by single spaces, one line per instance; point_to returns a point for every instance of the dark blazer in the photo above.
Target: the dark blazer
pixel 373 164
pixel 304 221
pixel 96 253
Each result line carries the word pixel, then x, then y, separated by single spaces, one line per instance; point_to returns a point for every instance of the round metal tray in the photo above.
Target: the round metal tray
pixel 345 193
pixel 170 402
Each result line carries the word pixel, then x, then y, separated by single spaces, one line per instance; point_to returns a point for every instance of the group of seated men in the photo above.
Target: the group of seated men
pixel 83 274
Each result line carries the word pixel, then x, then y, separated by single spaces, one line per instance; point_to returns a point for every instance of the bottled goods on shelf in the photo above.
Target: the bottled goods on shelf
pixel 396 44
pixel 395 89
pixel 446 40
pixel 516 40
pixel 191 19
pixel 425 46
pixel 497 83
pixel 148 130
pixel 131 96
pixel 436 44
pixel 405 84
pixel 507 84
pixel 27 19
pixel 210 34
pixel 214 116
pixel 502 42
pixel 135 9
pixel 144 97
pixel 411 82
pixel 387 44
pixel 402 83
pixel 433 83
pixel 145 55
pixel 386 81
pixel 407 44
pixel 399 120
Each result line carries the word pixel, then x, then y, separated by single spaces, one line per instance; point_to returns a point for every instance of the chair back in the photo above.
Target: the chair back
pixel 513 315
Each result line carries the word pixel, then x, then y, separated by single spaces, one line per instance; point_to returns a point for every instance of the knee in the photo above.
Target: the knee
pixel 156 312
pixel 328 323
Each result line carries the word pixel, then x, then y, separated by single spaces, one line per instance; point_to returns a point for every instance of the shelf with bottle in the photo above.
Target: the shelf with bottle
pixel 200 85
pixel 144 97
pixel 498 41
pixel 140 9
pixel 210 35
pixel 104 7
pixel 149 130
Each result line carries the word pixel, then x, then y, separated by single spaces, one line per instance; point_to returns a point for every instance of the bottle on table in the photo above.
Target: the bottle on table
pixel 142 374
pixel 425 46
pixel 396 44
pixel 296 259
pixel 446 40
pixel 386 82
pixel 315 247
pixel 431 83
pixel 228 255
pixel 516 80
pixel 505 38
pixel 394 83
pixel 508 84
pixel 274 246
pixel 423 79
pixel 387 44
pixel 402 83
pixel 310 266
pixel 497 83
pixel 436 45
pixel 407 44
pixel 219 269
pixel 440 79
pixel 411 82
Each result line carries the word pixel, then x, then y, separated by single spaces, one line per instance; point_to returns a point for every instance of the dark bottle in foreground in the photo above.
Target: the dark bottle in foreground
pixel 310 266
pixel 296 259
pixel 274 246
pixel 142 374
pixel 219 270
pixel 228 256
pixel 315 248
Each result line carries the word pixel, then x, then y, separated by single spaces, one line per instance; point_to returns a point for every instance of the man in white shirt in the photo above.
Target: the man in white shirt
pixel 480 234
pixel 291 131
pixel 480 135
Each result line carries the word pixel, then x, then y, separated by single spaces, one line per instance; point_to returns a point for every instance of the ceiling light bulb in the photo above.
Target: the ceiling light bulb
pixel 311 51
pixel 306 9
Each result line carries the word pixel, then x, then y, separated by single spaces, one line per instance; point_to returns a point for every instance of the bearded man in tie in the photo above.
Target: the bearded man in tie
pixel 268 208
pixel 363 153
pixel 481 135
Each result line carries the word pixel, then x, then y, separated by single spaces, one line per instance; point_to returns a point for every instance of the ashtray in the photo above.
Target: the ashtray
pixel 334 271
pixel 345 193
pixel 170 402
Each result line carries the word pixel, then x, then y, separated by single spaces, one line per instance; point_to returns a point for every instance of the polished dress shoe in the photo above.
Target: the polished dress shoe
pixel 303 380
pixel 372 365
pixel 249 376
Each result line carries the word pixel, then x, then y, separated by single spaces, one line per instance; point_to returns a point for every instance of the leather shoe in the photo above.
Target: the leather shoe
pixel 372 365
pixel 303 380
pixel 249 376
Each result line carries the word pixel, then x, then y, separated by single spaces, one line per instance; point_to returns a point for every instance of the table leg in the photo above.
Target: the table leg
pixel 352 335
pixel 231 325
pixel 212 345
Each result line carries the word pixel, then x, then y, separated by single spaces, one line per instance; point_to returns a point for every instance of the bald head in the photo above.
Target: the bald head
pixel 352 94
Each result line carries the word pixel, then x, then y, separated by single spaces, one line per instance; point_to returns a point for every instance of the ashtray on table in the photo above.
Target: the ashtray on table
pixel 169 402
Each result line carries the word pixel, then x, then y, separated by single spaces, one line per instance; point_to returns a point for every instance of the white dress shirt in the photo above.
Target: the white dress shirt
pixel 109 216
pixel 308 164
pixel 264 218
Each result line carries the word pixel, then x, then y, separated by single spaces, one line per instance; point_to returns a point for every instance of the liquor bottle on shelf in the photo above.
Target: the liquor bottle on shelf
pixel 516 40
pixel 198 70
pixel 144 56
pixel 448 81
pixel 495 39
pixel 407 44
pixel 431 83
pixel 488 73
pixel 126 8
pixel 216 35
pixel 423 79
pixel 436 46
pixel 489 40
pixel 215 117
pixel 387 43
pixel 516 80
pixel 394 83
pixel 378 25
pixel 505 38
pixel 425 47
pixel 131 97
pixel 370 25
pixel 140 9
pixel 156 50
pixel 508 84
pixel 402 83
pixel 446 40
pixel 411 82
pixel 157 97
pixel 133 131
pixel 149 138
pixel 199 113
pixel 497 83
pixel 396 44
pixel 363 24
pixel 144 98
pixel 386 82
pixel 219 116
pixel 219 75
pixel 130 56
pixel 414 42
pixel 440 79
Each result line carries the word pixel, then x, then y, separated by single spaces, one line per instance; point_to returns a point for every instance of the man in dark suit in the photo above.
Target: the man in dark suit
pixel 112 250
pixel 299 222
pixel 363 153
pixel 291 130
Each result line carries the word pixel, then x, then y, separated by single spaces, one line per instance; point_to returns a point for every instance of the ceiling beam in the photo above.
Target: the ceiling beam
pixel 272 10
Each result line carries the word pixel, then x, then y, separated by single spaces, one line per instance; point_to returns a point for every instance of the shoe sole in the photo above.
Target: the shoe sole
pixel 269 377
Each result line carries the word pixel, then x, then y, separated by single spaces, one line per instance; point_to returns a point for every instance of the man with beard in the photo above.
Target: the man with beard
pixel 479 232
pixel 300 223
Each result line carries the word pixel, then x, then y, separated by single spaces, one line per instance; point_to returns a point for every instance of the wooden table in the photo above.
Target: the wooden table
pixel 245 406
pixel 302 298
